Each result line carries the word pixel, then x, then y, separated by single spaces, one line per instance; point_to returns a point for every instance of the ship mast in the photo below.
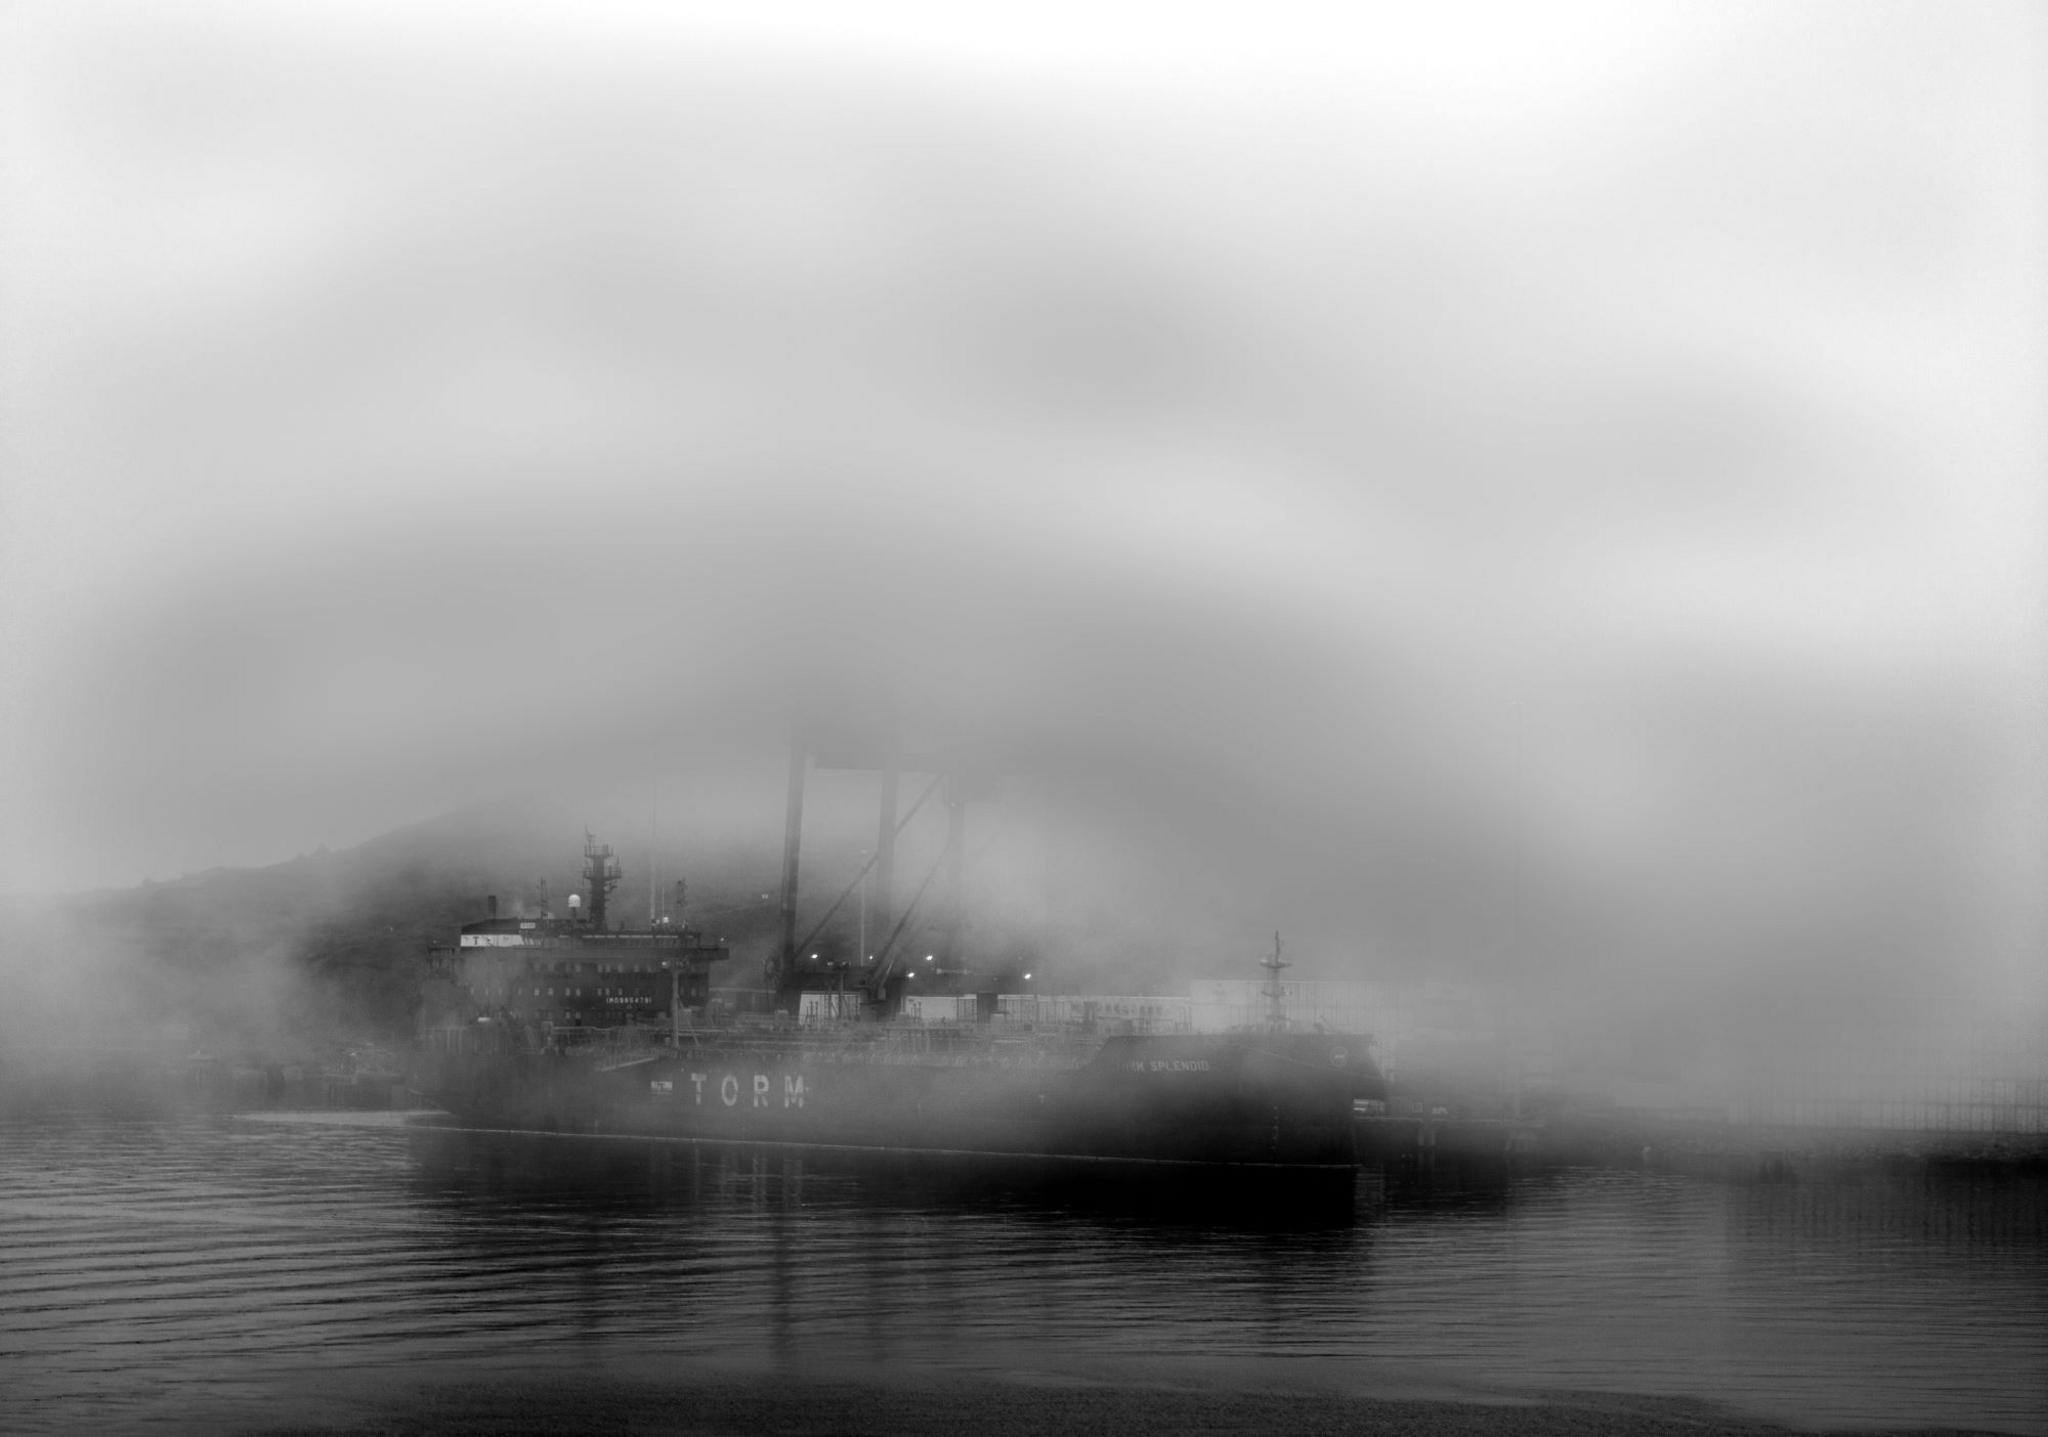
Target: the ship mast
pixel 601 872
pixel 1274 991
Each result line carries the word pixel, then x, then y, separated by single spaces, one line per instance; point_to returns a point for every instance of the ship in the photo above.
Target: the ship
pixel 572 1025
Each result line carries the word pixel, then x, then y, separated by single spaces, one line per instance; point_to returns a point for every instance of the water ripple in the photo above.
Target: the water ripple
pixel 210 1273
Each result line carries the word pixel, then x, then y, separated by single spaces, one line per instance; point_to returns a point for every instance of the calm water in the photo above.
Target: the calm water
pixel 240 1271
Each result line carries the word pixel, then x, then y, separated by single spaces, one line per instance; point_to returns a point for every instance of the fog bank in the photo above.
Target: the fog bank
pixel 1555 501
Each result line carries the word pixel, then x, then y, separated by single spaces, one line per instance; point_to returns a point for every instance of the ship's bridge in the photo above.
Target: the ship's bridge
pixel 562 932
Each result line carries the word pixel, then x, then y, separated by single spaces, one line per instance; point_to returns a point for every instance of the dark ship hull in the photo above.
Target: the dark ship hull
pixel 1241 1100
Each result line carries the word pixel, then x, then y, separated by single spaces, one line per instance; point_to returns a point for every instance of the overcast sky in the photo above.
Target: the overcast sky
pixel 1570 483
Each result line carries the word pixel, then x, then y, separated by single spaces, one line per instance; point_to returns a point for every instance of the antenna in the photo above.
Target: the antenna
pixel 653 842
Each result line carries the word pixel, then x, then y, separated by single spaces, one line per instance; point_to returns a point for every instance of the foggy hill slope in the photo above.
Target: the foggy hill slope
pixel 331 946
pixel 324 947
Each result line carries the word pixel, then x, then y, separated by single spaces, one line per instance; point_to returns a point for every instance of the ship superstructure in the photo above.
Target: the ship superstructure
pixel 529 980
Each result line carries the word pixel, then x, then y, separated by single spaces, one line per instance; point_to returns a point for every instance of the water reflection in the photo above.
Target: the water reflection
pixel 913 1261
pixel 629 1175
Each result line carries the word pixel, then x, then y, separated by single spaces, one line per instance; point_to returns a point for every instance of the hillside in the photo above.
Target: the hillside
pixel 326 947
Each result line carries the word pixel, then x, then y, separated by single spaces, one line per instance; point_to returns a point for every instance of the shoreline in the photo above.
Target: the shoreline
pixel 1009 1405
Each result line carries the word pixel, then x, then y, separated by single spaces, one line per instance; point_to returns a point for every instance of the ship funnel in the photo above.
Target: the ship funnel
pixel 575 905
pixel 491 903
